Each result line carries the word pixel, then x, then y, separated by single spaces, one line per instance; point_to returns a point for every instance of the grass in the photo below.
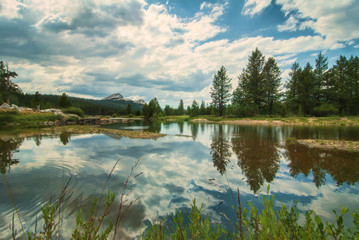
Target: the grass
pixel 276 120
pixel 251 223
pixel 26 120
pixel 351 146
pixel 93 129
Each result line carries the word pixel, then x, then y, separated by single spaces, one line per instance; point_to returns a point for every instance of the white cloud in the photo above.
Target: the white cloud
pixel 289 25
pixel 175 57
pixel 252 7
pixel 336 20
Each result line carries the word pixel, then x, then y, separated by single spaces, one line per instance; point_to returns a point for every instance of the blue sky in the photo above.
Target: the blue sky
pixel 168 49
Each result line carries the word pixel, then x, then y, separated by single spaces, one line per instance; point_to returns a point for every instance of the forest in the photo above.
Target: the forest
pixel 310 91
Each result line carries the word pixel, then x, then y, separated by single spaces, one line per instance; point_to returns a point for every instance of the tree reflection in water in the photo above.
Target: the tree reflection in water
pixel 257 154
pixel 343 166
pixel 220 150
pixel 65 137
pixel 8 145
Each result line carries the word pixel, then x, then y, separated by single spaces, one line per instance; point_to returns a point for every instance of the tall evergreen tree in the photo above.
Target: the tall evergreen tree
pixel 321 67
pixel 252 81
pixel 154 107
pixel 180 109
pixel 202 109
pixel 194 109
pixel 7 87
pixel 220 90
pixel 342 84
pixel 36 100
pixel 129 109
pixel 64 101
pixel 353 75
pixel 272 79
pixel 306 90
pixel 292 88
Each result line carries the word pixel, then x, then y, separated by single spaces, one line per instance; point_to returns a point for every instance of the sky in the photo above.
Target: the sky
pixel 166 49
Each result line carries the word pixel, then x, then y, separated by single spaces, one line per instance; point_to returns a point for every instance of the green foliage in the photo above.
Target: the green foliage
pixel 194 112
pixel 317 91
pixel 220 90
pixel 36 100
pixel 64 101
pixel 89 228
pixel 74 110
pixel 325 109
pixel 7 87
pixel 152 110
pixel 129 109
pixel 180 109
pixel 258 87
pixel 199 227
pixel 26 120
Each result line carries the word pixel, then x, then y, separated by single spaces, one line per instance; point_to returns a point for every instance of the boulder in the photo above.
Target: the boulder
pixel 13 106
pixel 5 106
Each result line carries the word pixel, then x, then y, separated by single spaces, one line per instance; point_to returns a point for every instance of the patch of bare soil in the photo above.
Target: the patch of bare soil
pixel 352 146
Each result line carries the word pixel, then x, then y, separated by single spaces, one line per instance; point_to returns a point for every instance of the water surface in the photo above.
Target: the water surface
pixel 206 162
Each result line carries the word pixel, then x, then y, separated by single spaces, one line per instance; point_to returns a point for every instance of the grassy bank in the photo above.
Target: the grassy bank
pixel 26 119
pixel 307 121
pixel 351 146
pixel 251 223
pixel 92 129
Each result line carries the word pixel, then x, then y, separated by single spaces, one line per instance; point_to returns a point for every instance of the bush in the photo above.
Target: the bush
pixel 325 110
pixel 74 110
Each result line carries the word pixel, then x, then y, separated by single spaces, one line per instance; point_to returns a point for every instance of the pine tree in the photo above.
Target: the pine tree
pixel 321 67
pixel 220 90
pixel 194 109
pixel 64 101
pixel 292 88
pixel 251 86
pixel 202 109
pixel 7 87
pixel 271 74
pixel 180 109
pixel 129 109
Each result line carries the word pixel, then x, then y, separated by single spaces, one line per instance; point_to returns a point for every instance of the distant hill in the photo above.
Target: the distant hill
pixel 106 106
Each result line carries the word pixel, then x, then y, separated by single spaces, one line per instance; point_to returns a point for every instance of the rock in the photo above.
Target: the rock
pixel 5 106
pixel 25 109
pixel 51 110
pixel 13 106
pixel 115 96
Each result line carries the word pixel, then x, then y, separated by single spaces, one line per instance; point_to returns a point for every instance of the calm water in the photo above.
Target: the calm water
pixel 207 162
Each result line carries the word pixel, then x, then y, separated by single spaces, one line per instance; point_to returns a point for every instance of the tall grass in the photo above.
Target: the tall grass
pixel 255 224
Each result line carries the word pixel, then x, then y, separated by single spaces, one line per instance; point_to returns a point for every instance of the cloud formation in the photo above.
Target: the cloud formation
pixel 95 48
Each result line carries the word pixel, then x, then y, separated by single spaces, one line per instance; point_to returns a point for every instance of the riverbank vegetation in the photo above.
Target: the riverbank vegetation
pixel 317 91
pixel 264 222
pixel 341 145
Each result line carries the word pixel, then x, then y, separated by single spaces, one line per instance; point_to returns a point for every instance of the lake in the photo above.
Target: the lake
pixel 206 162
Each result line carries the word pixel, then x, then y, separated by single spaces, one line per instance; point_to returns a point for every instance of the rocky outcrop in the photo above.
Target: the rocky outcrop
pixel 119 97
pixel 114 97
pixel 5 106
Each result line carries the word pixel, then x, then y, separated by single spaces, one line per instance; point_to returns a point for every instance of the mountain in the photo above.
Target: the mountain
pixel 114 97
pixel 118 97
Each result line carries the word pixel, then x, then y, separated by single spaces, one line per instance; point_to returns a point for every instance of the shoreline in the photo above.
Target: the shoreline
pixel 341 145
pixel 310 121
pixel 82 129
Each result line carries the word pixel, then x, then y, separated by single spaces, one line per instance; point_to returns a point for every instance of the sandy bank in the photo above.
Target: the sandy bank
pixel 352 146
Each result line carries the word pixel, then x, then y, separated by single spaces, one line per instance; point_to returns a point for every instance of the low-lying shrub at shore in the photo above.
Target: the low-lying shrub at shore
pixel 14 118
pixel 74 110
pixel 251 223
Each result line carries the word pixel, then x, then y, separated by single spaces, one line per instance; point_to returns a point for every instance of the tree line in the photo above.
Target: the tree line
pixel 309 91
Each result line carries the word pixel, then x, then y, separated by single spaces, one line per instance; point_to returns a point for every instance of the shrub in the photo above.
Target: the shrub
pixel 74 110
pixel 325 110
